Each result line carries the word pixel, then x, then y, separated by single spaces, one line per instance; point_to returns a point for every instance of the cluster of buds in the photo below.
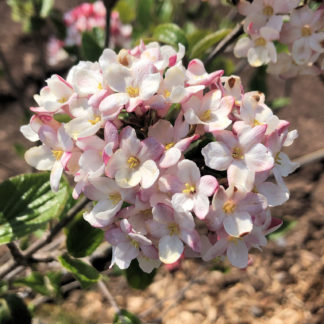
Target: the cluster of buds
pixel 177 159
pixel 300 28
pixel 83 18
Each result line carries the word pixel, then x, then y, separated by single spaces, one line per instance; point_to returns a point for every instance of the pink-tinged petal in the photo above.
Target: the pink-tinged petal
pixel 65 159
pixel 111 136
pixel 258 158
pixel 118 159
pixel 183 144
pixel 103 213
pixel 162 214
pixel 149 173
pixel 91 161
pixel 182 202
pixel 192 239
pixel 127 178
pixel 170 158
pixel 285 165
pixel 217 156
pixel 170 249
pixel 237 254
pixel 94 193
pixel 115 236
pixel 238 224
pixel 40 157
pixel 157 229
pixel 151 149
pixel 201 205
pixel 249 136
pixel 149 86
pixel 218 249
pixel 48 136
pixel 124 253
pixel 162 131
pixel 29 133
pixel 274 225
pixel 64 140
pixel 117 77
pixel 141 239
pixel 242 47
pixel 240 176
pixel 149 251
pixel 129 141
pixel 301 51
pixel 185 220
pixel 207 185
pixel 148 265
pixel 112 105
pixel 275 194
pixel 188 172
pixel 316 41
pixel 252 203
pixel 56 175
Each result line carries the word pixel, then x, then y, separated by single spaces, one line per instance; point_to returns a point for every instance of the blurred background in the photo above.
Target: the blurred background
pixel 284 285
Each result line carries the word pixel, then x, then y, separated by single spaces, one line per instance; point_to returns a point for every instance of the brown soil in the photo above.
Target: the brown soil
pixel 285 283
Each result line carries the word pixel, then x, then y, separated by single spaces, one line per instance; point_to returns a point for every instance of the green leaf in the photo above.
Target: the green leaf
pixel 85 273
pixel 82 238
pixel 126 317
pixel 127 10
pixel 55 279
pixel 90 48
pixel 170 34
pixel 20 150
pixel 166 11
pixel 137 278
pixel 145 9
pixel 13 310
pixel 173 113
pixel 46 8
pixel 35 281
pixel 280 102
pixel 62 118
pixel 27 203
pixel 201 47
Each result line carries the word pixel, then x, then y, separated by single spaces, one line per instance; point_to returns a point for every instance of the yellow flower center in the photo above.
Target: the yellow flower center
pixel 133 162
pixel 167 93
pixel 277 158
pixel 135 243
pixel 260 42
pixel 189 189
pixel 205 116
pixel 306 31
pixel 115 198
pixel 173 229
pixel 62 100
pixel 229 207
pixel 237 153
pixel 94 121
pixel 147 212
pixel 57 154
pixel 256 123
pixel 268 11
pixel 168 146
pixel 100 86
pixel 132 92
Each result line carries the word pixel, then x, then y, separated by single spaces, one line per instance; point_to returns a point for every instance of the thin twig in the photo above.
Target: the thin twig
pixel 109 4
pixel 42 242
pixel 230 38
pixel 103 288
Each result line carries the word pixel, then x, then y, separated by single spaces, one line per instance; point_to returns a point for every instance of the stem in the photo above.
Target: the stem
pixel 230 38
pixel 109 4
pixel 41 243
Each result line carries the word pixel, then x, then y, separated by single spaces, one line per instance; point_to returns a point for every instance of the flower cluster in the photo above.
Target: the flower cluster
pixel 85 17
pixel 300 29
pixel 178 160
